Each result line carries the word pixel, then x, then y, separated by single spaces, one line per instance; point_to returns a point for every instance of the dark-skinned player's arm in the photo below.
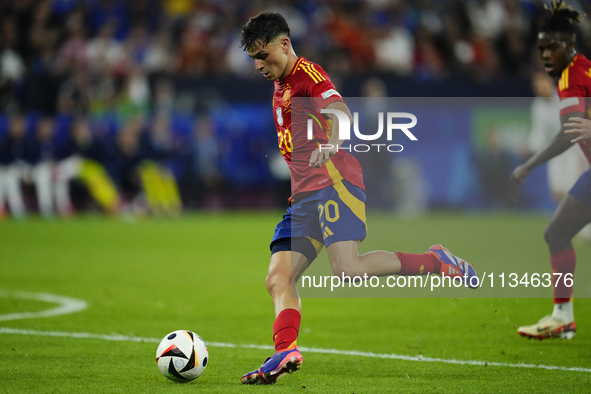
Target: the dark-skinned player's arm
pixel 560 143
pixel 321 155
pixel 580 126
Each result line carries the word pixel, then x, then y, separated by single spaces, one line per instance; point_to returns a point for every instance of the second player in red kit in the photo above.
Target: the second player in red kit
pixel 556 42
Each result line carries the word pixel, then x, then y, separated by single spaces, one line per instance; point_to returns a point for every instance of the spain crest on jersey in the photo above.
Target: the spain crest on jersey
pixel 287 97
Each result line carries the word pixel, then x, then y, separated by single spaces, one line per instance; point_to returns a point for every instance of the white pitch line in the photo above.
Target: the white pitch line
pixel 125 338
pixel 66 306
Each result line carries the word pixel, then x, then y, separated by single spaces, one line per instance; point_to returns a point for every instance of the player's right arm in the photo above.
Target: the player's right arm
pixel 560 143
pixel 573 88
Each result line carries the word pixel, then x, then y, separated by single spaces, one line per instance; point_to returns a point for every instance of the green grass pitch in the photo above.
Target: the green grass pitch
pixel 206 273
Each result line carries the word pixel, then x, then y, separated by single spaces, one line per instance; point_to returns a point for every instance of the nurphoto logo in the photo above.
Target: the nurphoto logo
pixel 345 130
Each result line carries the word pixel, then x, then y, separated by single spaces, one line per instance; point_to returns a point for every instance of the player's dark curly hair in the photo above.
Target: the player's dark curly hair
pixel 262 29
pixel 560 18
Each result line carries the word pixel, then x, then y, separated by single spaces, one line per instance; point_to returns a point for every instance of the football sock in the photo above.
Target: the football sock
pixel 286 328
pixel 563 262
pixel 564 311
pixel 418 264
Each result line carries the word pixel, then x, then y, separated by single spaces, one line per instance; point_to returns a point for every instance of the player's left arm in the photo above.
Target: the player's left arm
pixel 322 154
pixel 580 126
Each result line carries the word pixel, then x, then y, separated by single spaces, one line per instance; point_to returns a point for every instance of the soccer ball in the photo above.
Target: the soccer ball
pixel 182 356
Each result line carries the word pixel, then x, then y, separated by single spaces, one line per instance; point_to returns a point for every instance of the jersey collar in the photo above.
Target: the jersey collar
pixel 283 81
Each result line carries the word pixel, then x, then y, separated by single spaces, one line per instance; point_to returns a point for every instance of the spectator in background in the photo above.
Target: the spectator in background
pixel 136 45
pixel 143 180
pixel 488 17
pixel 42 79
pixel 377 167
pixel 161 141
pixel 75 95
pixel 206 162
pixel 428 62
pixel 158 182
pixel 83 160
pixel 365 35
pixel 159 57
pixel 38 29
pixel 394 49
pixel 12 68
pixel 12 153
pixel 164 98
pixel 494 168
pixel 102 93
pixel 346 29
pixel 39 158
pixel 46 19
pixel 484 63
pixel 133 98
pixel 430 17
pixel 457 50
pixel 123 164
pixel 512 46
pixel 12 35
pixel 73 53
pixel 104 47
pixel 193 55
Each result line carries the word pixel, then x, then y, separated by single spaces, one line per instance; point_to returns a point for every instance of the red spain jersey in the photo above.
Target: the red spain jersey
pixel 307 80
pixel 574 90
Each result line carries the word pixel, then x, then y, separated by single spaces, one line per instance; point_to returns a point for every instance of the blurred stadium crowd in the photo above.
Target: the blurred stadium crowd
pixel 90 89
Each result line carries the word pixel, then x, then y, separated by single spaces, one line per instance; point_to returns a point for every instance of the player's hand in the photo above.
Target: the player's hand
pixel 520 173
pixel 578 126
pixel 321 156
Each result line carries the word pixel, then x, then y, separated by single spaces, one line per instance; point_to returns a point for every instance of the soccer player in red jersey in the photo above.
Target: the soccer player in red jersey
pixel 560 59
pixel 324 182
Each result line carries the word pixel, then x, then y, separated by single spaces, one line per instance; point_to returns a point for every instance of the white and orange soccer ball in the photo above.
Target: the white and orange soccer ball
pixel 182 356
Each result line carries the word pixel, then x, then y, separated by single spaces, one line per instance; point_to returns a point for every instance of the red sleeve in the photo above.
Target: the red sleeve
pixel 322 87
pixel 573 92
pixel 570 105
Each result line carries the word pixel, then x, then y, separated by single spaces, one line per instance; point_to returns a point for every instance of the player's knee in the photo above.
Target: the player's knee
pixel 554 237
pixel 277 280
